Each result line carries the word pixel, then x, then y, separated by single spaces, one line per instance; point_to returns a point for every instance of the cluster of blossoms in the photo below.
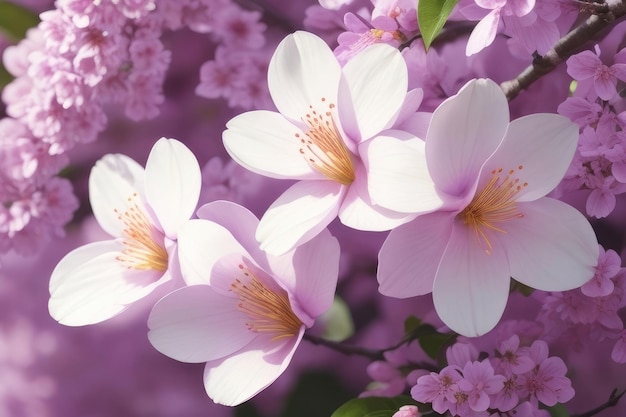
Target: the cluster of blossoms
pixel 375 132
pixel 598 108
pixel 514 381
pixel 80 60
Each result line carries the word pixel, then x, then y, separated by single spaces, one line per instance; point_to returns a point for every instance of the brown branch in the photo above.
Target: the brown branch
pixel 608 14
pixel 612 402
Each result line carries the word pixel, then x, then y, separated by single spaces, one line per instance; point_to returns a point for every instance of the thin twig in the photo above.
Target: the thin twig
pixel 612 402
pixel 565 47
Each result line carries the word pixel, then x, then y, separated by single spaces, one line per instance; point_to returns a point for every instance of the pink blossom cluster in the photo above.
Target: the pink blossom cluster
pixel 82 59
pixel 592 312
pixel 515 379
pixel 598 108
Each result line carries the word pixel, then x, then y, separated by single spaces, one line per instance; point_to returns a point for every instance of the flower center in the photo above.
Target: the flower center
pixel 323 147
pixel 269 311
pixel 143 243
pixel 494 205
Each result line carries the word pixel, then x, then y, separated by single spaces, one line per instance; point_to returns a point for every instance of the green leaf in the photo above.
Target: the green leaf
pixel 373 406
pixel 558 410
pixel 432 344
pixel 16 20
pixel 411 324
pixel 338 321
pixel 431 16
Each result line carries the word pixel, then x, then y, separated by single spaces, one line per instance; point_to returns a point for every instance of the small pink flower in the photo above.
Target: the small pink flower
pixel 479 383
pixel 609 265
pixel 495 223
pixel 407 411
pixel 245 312
pixel 586 65
pixel 437 388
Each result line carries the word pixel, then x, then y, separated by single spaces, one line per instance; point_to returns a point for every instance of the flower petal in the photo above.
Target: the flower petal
pixel 239 221
pixel 309 274
pixel 265 142
pixel 173 182
pixel 302 70
pixel 300 213
pixel 89 285
pixel 397 174
pixel 409 258
pixel 196 324
pixel 552 248
pixel 201 244
pixel 373 90
pixel 534 142
pixel 240 377
pixel 484 33
pixel 113 179
pixel 464 131
pixel 471 287
pixel 358 212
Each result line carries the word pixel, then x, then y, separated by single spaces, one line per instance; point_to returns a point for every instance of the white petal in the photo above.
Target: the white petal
pixel 113 179
pixel 409 258
pixel 464 131
pixel 240 377
pixel 89 285
pixel 265 142
pixel 173 182
pixel 471 287
pixel 543 145
pixel 375 87
pixel 195 324
pixel 201 244
pixel 552 248
pixel 358 212
pixel 398 177
pixel 300 213
pixel 302 71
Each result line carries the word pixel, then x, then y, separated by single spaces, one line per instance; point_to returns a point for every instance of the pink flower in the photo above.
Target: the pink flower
pixel 248 314
pixel 327 116
pixel 437 388
pixel 546 383
pixel 586 65
pixel 143 211
pixel 479 382
pixel 407 411
pixel 495 222
pixel 609 265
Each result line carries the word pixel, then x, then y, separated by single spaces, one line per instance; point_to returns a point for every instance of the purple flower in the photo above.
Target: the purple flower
pixel 586 65
pixel 479 382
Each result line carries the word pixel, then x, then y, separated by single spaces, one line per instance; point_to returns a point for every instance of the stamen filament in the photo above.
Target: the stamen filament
pixel 269 311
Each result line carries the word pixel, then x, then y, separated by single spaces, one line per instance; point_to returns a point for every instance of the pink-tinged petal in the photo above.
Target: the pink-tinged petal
pixel 300 213
pixel 196 324
pixel 552 248
pixel 412 101
pixel 89 285
pixel 605 87
pixel 358 212
pixel 532 143
pixel 484 33
pixel 600 203
pixel 238 378
pixel 201 244
pixel 239 221
pixel 471 287
pixel 113 179
pixel 583 65
pixel 173 182
pixel 302 71
pixel 417 124
pixel 309 275
pixel 409 258
pixel 464 131
pixel 373 90
pixel 265 142
pixel 397 174
pixel 619 70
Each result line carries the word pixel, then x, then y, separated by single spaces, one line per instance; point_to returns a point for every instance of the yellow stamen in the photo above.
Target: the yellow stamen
pixel 269 311
pixel 144 249
pixel 494 205
pixel 323 147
